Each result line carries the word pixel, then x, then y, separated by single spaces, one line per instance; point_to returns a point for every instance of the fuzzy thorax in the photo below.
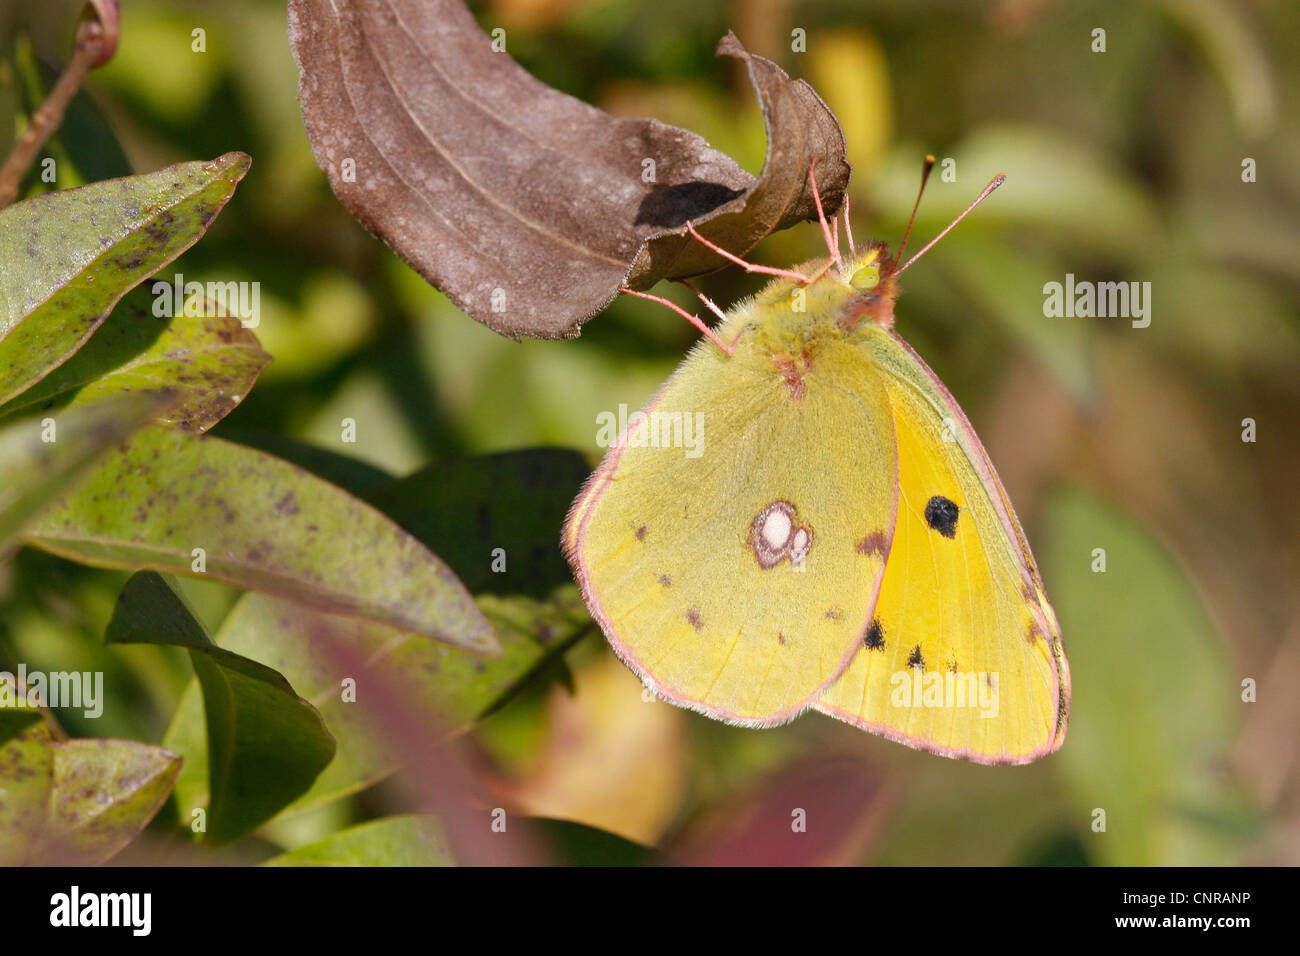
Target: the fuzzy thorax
pixel 791 318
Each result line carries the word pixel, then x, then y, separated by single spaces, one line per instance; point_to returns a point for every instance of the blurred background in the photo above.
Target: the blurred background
pixel 1167 158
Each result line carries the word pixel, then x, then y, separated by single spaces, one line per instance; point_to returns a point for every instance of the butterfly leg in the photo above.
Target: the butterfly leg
pixel 832 241
pixel 708 303
pixel 713 307
pixel 848 226
pixel 693 319
pixel 798 277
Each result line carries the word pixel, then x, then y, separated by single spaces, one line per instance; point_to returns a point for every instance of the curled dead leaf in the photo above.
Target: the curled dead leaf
pixel 527 207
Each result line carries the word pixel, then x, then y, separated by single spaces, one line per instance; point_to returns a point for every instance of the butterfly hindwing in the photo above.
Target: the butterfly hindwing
pixel 963 656
pixel 738 578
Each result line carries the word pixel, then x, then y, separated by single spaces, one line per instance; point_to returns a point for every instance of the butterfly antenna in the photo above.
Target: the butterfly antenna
pixel 925 175
pixel 994 184
pixel 832 244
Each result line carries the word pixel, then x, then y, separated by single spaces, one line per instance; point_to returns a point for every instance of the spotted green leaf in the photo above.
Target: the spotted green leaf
pixel 77 802
pixel 263 524
pixel 207 362
pixel 69 256
pixel 41 456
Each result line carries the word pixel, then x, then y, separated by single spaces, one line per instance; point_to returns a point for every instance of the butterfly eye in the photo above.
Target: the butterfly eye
pixel 866 278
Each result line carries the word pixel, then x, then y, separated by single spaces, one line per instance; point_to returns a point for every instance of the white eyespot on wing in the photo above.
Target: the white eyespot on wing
pixel 777 534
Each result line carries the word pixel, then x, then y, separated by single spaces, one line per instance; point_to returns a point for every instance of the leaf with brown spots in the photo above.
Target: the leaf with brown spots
pixel 208 363
pixel 76 802
pixel 33 471
pixel 69 256
pixel 527 207
pixel 270 743
pixel 263 524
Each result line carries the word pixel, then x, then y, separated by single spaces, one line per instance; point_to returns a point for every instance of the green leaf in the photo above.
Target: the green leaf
pixel 1063 186
pixel 208 362
pixel 71 255
pixel 34 471
pixel 455 687
pixel 1154 703
pixel 77 802
pixel 86 134
pixel 500 529
pixel 1009 287
pixel 269 743
pixel 14 720
pixel 105 791
pixel 263 524
pixel 1225 39
pixel 353 475
pixel 576 844
pixel 408 840
pixel 26 781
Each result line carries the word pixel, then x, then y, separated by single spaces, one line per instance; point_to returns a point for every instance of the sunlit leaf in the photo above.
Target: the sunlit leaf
pixel 1008 286
pixel 71 255
pixel 207 363
pixel 77 802
pixel 611 759
pixel 1055 183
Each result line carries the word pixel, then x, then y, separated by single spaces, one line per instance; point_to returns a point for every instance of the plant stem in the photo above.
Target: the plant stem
pixel 96 40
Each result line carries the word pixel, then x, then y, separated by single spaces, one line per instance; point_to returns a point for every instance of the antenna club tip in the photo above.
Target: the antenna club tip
pixel 999 179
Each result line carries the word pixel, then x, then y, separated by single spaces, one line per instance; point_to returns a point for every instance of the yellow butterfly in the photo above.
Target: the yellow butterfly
pixel 804 518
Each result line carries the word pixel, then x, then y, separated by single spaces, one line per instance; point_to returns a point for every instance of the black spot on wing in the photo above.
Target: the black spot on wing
pixel 915 659
pixel 697 620
pixel 641 532
pixel 941 515
pixel 666 580
pixel 875 638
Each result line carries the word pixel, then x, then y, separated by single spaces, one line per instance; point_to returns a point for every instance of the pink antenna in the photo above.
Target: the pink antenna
pixel 994 184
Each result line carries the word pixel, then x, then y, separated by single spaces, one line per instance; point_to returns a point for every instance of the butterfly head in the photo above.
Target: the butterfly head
pixel 868 275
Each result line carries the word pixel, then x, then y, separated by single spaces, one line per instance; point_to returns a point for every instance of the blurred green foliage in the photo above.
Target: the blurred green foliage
pixel 1122 165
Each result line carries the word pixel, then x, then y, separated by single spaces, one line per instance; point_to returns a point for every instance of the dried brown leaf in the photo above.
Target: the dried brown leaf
pixel 527 207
